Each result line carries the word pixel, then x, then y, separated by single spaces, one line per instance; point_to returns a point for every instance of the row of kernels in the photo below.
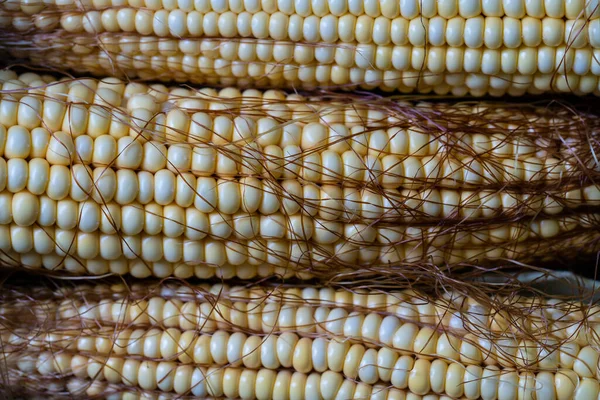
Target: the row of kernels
pixel 84 91
pixel 201 128
pixel 267 196
pixel 324 224
pixel 473 32
pixel 98 224
pixel 96 119
pixel 72 117
pixel 103 204
pixel 452 311
pixel 78 182
pixel 26 209
pixel 352 115
pixel 474 382
pixel 285 350
pixel 407 304
pixel 525 60
pixel 435 60
pixel 136 95
pixel 273 317
pixel 346 115
pixel 251 103
pixel 205 135
pixel 216 253
pixel 542 385
pixel 284 253
pixel 459 84
pixel 208 135
pixel 438 58
pixel 204 71
pixel 179 126
pixel 124 186
pixel 305 354
pixel 237 349
pixel 103 185
pixel 217 381
pixel 289 305
pixel 160 269
pixel 387 8
pixel 276 254
pixel 248 195
pixel 288 350
pixel 153 97
pixel 300 386
pixel 26 78
pixel 419 375
pixel 356 298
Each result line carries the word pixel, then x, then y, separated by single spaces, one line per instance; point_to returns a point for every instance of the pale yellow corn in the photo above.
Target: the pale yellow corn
pixel 409 9
pixel 100 177
pixel 188 382
pixel 455 47
pixel 439 70
pixel 405 351
pixel 394 248
pixel 471 32
pixel 148 180
pixel 336 349
pixel 420 377
pixel 377 318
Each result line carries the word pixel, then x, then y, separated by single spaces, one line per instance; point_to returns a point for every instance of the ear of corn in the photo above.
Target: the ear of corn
pixel 203 340
pixel 462 48
pixel 102 177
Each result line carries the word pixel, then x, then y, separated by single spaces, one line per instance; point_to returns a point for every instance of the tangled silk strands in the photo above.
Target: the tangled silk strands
pixel 455 48
pixel 295 342
pixel 101 177
pixel 397 207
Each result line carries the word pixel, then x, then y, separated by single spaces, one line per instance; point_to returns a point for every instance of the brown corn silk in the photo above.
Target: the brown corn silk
pixel 349 188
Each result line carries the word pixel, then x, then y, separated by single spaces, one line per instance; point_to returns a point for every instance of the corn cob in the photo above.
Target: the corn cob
pixel 156 181
pixel 468 47
pixel 416 359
